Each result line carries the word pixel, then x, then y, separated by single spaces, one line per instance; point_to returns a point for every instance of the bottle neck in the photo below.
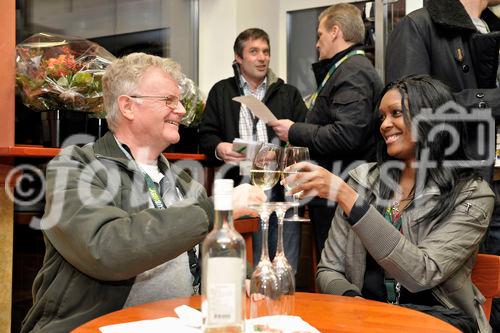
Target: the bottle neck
pixel 223 219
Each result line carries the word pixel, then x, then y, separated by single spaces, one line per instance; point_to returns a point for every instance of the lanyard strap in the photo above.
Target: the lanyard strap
pixel 194 266
pixel 393 287
pixel 393 216
pixel 332 69
pixel 153 192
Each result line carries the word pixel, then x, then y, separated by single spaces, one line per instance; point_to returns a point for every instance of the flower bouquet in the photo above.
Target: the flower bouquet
pixel 55 72
pixel 192 100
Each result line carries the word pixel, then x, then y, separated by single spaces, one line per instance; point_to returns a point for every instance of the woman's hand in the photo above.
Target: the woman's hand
pixel 314 180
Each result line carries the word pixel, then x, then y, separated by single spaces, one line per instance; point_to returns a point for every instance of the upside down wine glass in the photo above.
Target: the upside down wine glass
pixel 264 288
pixel 264 284
pixel 292 155
pixel 282 268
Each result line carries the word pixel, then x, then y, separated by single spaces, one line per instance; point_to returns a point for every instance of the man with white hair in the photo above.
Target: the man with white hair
pixel 121 223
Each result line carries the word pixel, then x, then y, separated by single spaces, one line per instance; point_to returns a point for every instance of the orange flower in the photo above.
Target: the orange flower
pixel 61 66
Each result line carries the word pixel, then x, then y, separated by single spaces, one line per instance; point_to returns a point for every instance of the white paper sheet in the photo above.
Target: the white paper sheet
pixel 259 109
pixel 287 324
pixel 162 325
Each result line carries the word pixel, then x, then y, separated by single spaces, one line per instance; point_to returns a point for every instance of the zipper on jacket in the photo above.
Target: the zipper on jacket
pixel 116 161
pixel 444 302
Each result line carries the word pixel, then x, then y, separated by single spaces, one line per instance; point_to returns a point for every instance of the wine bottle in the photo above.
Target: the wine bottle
pixel 223 268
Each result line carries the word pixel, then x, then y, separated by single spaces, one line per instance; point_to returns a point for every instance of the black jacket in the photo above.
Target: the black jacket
pixel 441 40
pixel 222 114
pixel 340 127
pixel 428 40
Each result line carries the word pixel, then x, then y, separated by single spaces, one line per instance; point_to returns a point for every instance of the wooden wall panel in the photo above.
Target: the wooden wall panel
pixel 7 68
pixel 7 86
pixel 6 249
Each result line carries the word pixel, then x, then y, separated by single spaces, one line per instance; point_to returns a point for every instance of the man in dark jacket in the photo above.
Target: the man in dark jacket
pixel 339 129
pixel 225 120
pixel 120 221
pixel 443 40
pixel 457 42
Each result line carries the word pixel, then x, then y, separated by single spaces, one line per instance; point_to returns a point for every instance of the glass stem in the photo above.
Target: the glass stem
pixel 296 208
pixel 265 249
pixel 280 251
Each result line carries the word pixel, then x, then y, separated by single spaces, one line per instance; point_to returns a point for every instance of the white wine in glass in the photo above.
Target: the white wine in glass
pixel 264 179
pixel 292 155
pixel 265 172
pixel 289 185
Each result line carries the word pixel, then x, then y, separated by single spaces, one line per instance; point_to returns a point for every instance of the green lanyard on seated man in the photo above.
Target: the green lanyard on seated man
pixel 158 202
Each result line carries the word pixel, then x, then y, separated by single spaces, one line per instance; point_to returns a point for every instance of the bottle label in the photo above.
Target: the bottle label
pixel 224 290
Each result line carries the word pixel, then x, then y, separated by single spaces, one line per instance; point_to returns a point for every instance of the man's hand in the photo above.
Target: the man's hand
pixel 225 151
pixel 281 128
pixel 245 195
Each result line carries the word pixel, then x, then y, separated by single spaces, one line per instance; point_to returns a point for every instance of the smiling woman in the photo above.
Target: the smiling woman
pixel 394 131
pixel 394 234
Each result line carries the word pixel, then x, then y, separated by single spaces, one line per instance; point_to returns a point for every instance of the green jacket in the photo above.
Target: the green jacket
pixel 427 255
pixel 99 234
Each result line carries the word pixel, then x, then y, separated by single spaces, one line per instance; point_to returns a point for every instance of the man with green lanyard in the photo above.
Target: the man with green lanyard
pixel 339 128
pixel 121 223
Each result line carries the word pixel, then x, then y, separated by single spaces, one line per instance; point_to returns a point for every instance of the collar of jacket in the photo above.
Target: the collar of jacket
pixel 491 19
pixel 451 14
pixel 273 83
pixel 107 147
pixel 321 67
pixel 368 174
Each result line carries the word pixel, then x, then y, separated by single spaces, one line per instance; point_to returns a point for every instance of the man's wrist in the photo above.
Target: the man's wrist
pixel 217 156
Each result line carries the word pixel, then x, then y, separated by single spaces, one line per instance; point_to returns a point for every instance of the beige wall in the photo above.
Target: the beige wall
pixel 220 23
pixel 222 20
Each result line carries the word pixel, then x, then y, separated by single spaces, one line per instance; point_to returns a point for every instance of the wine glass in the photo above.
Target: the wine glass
pixel 293 155
pixel 264 286
pixel 283 270
pixel 266 171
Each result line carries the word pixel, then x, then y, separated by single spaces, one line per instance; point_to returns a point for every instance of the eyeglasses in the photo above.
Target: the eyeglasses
pixel 170 101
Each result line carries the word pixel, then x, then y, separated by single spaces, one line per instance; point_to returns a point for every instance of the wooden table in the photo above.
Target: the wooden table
pixel 328 313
